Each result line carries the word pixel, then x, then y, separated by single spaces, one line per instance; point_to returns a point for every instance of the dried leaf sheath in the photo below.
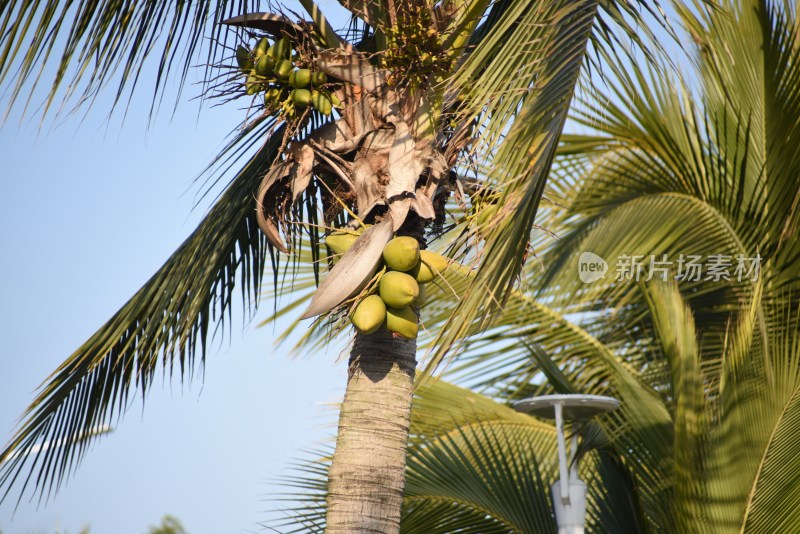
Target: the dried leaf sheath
pixel 353 270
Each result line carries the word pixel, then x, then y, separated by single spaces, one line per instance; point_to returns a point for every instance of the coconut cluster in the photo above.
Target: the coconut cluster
pixel 277 70
pixel 401 285
pixel 415 51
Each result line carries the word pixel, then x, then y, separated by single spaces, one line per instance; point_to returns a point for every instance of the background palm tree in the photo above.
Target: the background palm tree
pixel 708 370
pixel 492 63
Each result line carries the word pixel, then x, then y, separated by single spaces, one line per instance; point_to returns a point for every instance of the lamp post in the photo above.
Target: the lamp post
pixel 569 491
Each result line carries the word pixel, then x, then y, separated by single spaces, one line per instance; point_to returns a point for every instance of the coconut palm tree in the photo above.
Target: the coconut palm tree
pixel 707 368
pixel 421 91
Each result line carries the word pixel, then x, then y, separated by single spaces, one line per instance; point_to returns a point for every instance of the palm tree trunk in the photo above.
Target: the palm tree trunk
pixel 365 484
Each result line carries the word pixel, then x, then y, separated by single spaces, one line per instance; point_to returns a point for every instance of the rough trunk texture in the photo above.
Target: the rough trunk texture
pixel 365 485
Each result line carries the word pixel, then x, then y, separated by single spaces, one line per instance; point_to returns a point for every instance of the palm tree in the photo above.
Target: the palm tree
pixel 425 89
pixel 708 369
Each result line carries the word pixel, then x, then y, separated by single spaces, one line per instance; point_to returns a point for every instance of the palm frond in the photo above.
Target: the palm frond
pixel 667 181
pixel 773 495
pixel 76 48
pixel 529 342
pixel 763 36
pixel 485 477
pixel 749 474
pixel 675 329
pixel 526 67
pixel 169 321
pixel 473 465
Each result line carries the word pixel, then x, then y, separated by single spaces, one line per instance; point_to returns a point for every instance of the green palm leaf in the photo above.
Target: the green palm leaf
pixel 668 175
pixel 474 465
pixel 518 84
pixel 76 48
pixel 167 322
pixel 523 64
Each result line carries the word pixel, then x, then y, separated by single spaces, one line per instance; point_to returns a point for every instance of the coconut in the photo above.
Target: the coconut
pixel 279 49
pixel 252 85
pixel 369 315
pixel 401 253
pixel 301 97
pixel 429 267
pixel 321 101
pixel 272 96
pixel 422 298
pixel 435 262
pixel 422 273
pixel 264 66
pixel 339 242
pixel 325 106
pixel 319 78
pixel 283 68
pixel 261 48
pixel 300 78
pixel 243 58
pixel 398 289
pixel 402 321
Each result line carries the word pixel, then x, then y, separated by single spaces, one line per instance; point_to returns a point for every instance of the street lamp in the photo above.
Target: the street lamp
pixel 569 491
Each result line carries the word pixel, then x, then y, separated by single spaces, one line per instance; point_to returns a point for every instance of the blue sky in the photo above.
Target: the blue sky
pixel 88 211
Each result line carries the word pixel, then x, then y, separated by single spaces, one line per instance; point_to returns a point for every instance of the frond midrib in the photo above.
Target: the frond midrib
pixel 762 463
pixel 466 503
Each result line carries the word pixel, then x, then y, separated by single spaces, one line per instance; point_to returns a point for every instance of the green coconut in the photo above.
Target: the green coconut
pixel 432 265
pixel 252 85
pixel 398 289
pixel 283 69
pixel 422 298
pixel 341 241
pixel 300 78
pixel 422 273
pixel 401 253
pixel 301 97
pixel 402 321
pixel 435 262
pixel 243 58
pixel 261 48
pixel 279 49
pixel 272 96
pixel 369 314
pixel 264 66
pixel 321 101
pixel 319 78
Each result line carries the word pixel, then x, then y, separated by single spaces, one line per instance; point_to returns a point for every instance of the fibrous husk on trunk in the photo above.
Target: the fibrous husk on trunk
pixel 350 66
pixel 405 167
pixel 304 156
pixel 265 206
